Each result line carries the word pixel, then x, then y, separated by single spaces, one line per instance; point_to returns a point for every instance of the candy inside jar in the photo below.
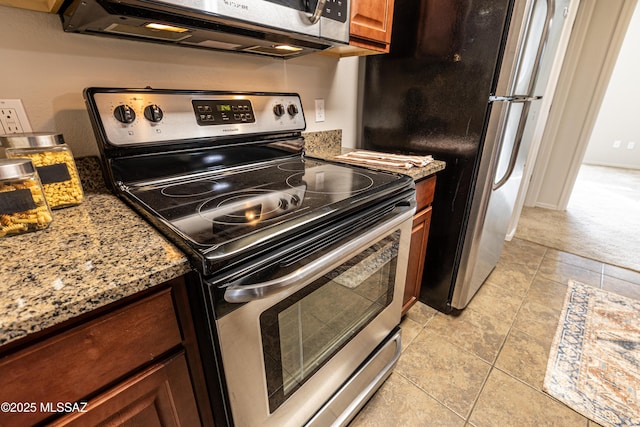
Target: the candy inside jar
pixel 54 162
pixel 23 206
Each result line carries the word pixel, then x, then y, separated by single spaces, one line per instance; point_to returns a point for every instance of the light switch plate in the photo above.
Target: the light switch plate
pixel 319 110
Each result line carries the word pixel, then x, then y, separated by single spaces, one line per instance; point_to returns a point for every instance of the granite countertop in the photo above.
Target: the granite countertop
pixel 329 147
pixel 91 255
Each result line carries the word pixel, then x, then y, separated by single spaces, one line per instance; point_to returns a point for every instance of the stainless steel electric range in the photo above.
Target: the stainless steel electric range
pixel 300 262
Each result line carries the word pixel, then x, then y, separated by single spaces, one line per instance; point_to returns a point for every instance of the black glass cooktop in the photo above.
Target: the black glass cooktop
pixel 215 208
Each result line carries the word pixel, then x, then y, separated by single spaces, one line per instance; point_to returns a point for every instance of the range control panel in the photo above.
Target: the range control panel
pixel 134 118
pixel 216 112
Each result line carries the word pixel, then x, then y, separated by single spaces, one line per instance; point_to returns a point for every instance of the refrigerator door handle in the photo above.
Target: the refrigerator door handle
pixel 551 6
pixel 551 10
pixel 546 32
pixel 516 147
pixel 514 98
pixel 544 38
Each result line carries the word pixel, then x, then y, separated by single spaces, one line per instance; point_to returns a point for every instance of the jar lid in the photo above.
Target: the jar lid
pixel 16 168
pixel 34 139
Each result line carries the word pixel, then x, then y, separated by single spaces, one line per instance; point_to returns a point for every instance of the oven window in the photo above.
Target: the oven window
pixel 301 333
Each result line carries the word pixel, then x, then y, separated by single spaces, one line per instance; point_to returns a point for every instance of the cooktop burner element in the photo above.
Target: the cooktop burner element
pixel 189 189
pixel 322 181
pixel 291 166
pixel 224 188
pixel 251 206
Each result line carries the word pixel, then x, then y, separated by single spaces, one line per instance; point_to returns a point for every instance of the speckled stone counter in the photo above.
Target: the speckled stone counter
pixel 329 146
pixel 92 254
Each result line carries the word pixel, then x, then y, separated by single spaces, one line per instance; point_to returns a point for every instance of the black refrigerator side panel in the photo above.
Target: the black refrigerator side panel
pixel 429 95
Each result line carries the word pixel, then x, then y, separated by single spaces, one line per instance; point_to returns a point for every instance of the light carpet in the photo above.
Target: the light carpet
pixel 594 363
pixel 602 221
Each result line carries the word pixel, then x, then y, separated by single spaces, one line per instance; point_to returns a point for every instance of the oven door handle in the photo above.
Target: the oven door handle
pixel 250 292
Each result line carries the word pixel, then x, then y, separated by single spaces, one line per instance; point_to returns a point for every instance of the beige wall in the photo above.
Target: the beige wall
pixel 618 116
pixel 596 39
pixel 48 69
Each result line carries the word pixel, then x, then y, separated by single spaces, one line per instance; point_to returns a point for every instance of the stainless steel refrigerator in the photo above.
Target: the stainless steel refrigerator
pixel 463 82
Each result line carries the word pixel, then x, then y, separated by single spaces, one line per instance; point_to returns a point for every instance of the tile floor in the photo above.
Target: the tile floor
pixel 486 367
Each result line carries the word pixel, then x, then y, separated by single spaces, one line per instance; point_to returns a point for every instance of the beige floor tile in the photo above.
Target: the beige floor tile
pixel 621 287
pixel 446 372
pixel 525 357
pixel 400 403
pixel 576 260
pixel 537 320
pixel 496 301
pixel 513 277
pixel 561 272
pixel 478 333
pixel 518 251
pixel 622 273
pixel 505 401
pixel 409 329
pixel 547 292
pixel 421 313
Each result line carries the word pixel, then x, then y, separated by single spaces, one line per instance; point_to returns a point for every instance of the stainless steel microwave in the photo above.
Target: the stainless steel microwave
pixel 282 28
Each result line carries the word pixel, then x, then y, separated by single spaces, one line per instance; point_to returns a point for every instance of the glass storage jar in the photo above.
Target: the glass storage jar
pixel 23 206
pixel 54 162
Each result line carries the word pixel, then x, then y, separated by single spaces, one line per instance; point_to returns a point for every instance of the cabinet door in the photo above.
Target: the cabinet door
pixel 159 396
pixel 74 364
pixel 371 20
pixel 417 251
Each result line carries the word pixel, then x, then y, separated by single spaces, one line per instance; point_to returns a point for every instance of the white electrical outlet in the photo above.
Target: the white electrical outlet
pixel 617 143
pixel 631 145
pixel 319 110
pixel 13 118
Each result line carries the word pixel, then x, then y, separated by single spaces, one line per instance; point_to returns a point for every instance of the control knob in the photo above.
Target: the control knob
pixel 278 110
pixel 153 113
pixel 295 200
pixel 292 109
pixel 124 114
pixel 283 204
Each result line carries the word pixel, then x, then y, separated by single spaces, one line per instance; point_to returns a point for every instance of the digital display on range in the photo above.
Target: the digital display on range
pixel 223 112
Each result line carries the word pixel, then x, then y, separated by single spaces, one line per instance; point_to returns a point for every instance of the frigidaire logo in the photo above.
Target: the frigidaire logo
pixel 236 5
pixel 231 130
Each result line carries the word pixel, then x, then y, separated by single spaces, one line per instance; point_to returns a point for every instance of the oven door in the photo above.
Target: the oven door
pixel 299 336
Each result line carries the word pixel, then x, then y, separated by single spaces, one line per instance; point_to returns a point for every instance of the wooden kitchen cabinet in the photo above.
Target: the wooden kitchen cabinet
pixel 161 395
pixel 370 29
pixel 419 239
pixel 371 23
pixel 128 364
pixel 50 6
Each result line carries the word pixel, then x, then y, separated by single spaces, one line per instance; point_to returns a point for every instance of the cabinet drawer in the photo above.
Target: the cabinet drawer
pixel 78 362
pixel 159 395
pixel 424 192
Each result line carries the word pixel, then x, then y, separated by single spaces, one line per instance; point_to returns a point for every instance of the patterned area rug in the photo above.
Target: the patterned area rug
pixel 594 364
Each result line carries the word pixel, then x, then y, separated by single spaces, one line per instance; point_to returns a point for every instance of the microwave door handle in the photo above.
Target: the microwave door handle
pixel 240 293
pixel 313 19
